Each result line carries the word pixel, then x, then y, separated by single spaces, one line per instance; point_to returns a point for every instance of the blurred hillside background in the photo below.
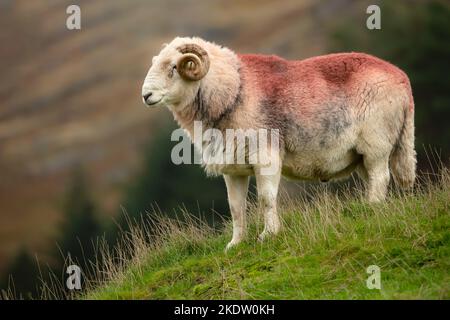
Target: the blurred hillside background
pixel 77 146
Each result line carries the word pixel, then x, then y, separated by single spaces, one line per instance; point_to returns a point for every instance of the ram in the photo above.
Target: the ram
pixel 334 114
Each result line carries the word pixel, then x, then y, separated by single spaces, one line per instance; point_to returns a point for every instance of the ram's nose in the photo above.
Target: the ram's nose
pixel 146 97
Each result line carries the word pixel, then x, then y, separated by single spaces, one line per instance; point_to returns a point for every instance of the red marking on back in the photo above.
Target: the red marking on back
pixel 315 77
pixel 271 72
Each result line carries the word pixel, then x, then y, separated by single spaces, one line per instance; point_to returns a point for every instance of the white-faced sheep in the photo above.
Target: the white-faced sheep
pixel 335 114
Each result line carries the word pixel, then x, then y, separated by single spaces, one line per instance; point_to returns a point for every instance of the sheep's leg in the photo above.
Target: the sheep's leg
pixel 362 173
pixel 267 195
pixel 378 178
pixel 237 187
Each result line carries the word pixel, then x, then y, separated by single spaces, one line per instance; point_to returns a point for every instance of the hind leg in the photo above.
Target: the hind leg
pixel 362 172
pixel 377 171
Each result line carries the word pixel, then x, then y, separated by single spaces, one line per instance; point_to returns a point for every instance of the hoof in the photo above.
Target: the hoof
pixel 265 235
pixel 269 231
pixel 231 245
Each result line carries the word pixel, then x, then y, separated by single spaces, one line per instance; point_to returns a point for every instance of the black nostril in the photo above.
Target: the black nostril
pixel 148 95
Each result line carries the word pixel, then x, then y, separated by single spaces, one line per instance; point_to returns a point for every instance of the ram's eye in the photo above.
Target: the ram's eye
pixel 172 71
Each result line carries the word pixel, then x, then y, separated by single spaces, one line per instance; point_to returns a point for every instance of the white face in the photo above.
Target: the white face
pixel 163 85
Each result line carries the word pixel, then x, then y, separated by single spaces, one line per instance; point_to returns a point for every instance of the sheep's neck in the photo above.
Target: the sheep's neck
pixel 211 112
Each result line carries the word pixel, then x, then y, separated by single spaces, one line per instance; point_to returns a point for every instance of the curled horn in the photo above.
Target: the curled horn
pixel 194 63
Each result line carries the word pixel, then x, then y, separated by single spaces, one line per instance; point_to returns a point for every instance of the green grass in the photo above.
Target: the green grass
pixel 322 253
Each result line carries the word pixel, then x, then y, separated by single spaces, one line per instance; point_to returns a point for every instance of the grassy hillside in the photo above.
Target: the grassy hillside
pixel 323 252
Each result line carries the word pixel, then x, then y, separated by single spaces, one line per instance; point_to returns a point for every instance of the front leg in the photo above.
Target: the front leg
pixel 267 195
pixel 237 187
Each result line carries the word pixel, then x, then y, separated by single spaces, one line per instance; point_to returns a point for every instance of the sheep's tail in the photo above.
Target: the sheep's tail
pixel 403 158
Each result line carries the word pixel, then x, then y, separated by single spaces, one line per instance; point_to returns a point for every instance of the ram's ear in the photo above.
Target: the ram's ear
pixel 193 65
